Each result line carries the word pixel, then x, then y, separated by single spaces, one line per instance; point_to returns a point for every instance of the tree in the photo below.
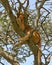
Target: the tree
pixel 9 35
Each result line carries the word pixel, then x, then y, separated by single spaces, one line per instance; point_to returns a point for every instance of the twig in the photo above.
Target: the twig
pixel 43 21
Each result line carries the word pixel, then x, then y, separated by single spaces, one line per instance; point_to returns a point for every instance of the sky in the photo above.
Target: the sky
pixel 29 59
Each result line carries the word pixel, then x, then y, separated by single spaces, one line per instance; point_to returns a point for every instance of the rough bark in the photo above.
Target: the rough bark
pixel 6 55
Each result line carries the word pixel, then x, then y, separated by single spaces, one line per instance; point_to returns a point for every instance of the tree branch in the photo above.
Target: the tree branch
pixel 38 10
pixel 8 57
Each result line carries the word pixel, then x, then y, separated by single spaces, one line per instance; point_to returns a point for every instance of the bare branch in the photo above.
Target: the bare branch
pixel 2 63
pixel 48 59
pixel 21 5
pixel 8 57
pixel 38 10
pixel 43 21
